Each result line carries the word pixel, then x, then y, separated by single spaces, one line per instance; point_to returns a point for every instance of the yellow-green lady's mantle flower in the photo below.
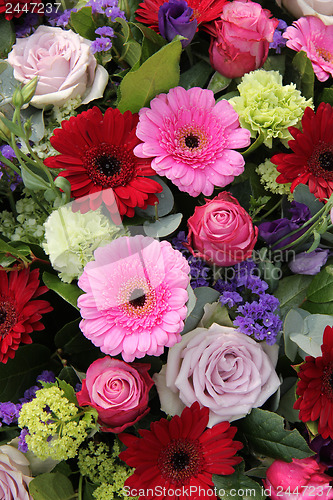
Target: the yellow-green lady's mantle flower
pixel 56 426
pixel 265 105
pixel 268 175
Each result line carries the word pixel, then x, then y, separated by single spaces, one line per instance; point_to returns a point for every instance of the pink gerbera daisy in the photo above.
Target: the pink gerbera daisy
pixel 192 139
pixel 312 36
pixel 135 297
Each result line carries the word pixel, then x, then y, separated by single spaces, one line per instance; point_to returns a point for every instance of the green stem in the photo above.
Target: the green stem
pixel 270 211
pixel 41 206
pixel 12 204
pixel 255 145
pixel 10 164
pixel 80 490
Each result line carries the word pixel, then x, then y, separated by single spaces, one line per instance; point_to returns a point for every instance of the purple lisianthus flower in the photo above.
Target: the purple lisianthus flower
pixel 175 18
pixel 309 263
pixel 323 449
pixel 272 232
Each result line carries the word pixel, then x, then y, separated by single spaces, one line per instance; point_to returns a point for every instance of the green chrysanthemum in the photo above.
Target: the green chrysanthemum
pixel 265 105
pixel 56 428
pixel 268 175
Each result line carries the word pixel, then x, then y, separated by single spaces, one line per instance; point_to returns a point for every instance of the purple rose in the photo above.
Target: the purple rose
pixel 309 263
pixel 174 18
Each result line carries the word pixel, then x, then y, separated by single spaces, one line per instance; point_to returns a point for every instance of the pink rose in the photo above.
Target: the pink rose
pixel 240 38
pixel 63 63
pixel 302 479
pixel 221 368
pixel 14 474
pixel 118 391
pixel 221 231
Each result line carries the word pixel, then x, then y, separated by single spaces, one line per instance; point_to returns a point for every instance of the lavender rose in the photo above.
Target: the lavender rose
pixel 64 64
pixel 14 474
pixel 176 18
pixel 224 370
pixel 118 391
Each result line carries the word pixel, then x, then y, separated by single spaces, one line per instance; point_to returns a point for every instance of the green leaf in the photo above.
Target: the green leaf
pixel 291 291
pixel 83 23
pixel 327 96
pixel 237 486
pixel 287 401
pixel 316 308
pixel 13 127
pixel 127 46
pixel 204 295
pixel 216 314
pixel 321 288
pixel 265 434
pixel 33 180
pixel 302 195
pixel 158 74
pixel 303 65
pixel 196 76
pixel 67 291
pixel 51 486
pixel 275 63
pixel 17 249
pixel 20 373
pixel 7 36
pixel 71 339
pixel 218 82
pixel 165 201
pixel 36 118
pixel 68 391
pixel 162 227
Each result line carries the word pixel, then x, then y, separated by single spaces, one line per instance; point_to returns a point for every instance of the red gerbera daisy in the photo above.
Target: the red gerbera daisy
pixel 315 387
pixel 178 457
pixel 204 11
pixel 19 313
pixel 15 8
pixel 312 159
pixel 98 160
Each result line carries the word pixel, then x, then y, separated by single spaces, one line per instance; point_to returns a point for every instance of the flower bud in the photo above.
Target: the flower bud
pixel 29 90
pixel 18 99
pixel 4 130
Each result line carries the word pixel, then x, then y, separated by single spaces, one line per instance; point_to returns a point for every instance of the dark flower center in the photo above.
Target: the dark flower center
pixel 181 460
pixel 108 165
pixel 321 161
pixel 8 317
pixel 327 381
pixel 192 141
pixel 137 298
pixel 326 161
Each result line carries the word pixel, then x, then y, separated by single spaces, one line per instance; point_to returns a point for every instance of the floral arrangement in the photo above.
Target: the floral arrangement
pixel 166 266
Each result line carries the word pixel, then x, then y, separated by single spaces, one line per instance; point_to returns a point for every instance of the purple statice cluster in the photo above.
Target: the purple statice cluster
pixel 200 272
pixel 103 42
pixel 108 7
pixel 7 175
pixel 255 310
pixel 278 40
pixel 29 25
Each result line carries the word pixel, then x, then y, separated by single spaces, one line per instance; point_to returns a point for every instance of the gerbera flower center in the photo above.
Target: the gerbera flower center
pixel 192 141
pixel 327 381
pixel 325 54
pixel 181 460
pixel 137 297
pixel 8 317
pixel 108 165
pixel 321 161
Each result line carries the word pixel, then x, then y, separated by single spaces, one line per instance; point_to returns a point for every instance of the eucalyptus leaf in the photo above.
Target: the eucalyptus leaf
pixel 165 201
pixel 158 74
pixel 7 81
pixel 67 291
pixel 205 295
pixel 162 227
pixel 51 486
pixel 302 195
pixel 294 322
pixel 265 434
pixel 36 118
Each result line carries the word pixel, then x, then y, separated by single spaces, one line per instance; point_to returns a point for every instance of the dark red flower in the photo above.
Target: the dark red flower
pixel 315 387
pixel 180 455
pixel 311 162
pixel 15 8
pixel 98 160
pixel 204 11
pixel 19 312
